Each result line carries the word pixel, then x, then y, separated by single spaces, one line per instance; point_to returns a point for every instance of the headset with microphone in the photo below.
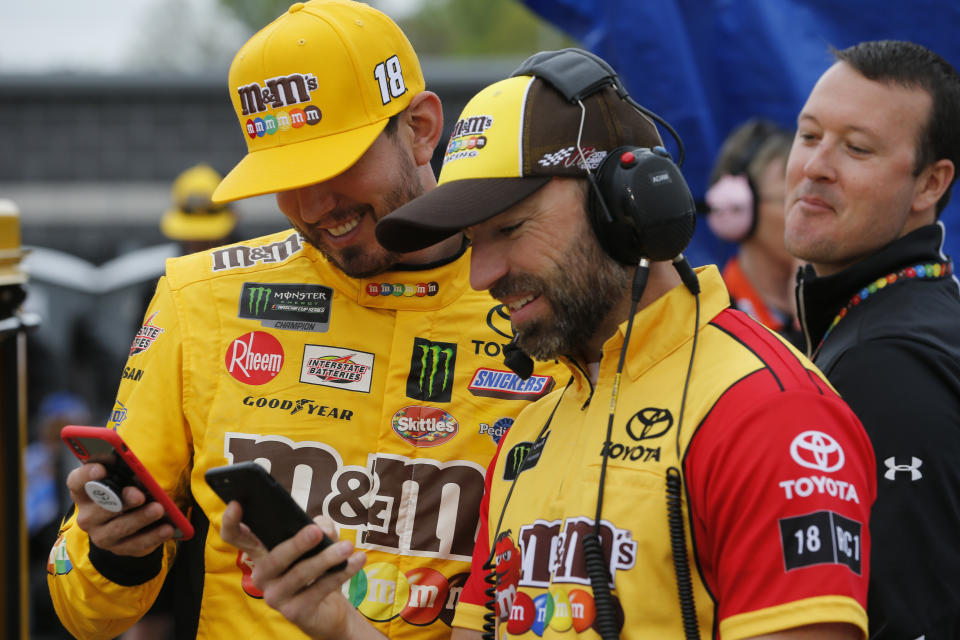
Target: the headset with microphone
pixel 641 210
pixel 640 206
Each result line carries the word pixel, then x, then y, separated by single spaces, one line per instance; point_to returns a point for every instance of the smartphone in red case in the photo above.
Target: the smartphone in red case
pixel 103 445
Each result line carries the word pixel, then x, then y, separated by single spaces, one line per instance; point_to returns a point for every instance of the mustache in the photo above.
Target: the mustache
pixel 512 285
pixel 340 215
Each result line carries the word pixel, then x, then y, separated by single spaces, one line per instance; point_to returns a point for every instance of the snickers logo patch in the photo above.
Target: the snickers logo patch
pixel 507 385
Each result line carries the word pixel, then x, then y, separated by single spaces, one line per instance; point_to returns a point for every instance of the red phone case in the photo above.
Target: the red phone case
pixel 88 443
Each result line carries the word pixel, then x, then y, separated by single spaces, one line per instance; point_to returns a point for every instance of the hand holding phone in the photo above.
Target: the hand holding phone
pixel 102 445
pixel 269 510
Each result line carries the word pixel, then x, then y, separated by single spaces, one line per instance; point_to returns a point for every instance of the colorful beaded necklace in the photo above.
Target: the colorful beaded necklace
pixel 928 271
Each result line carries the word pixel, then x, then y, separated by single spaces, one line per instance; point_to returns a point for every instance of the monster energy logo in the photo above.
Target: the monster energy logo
pixel 515 458
pixel 257 299
pixel 291 306
pixel 435 352
pixel 431 370
pixel 523 456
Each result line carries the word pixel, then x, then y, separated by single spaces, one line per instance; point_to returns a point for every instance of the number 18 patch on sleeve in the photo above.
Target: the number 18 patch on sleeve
pixel 821 537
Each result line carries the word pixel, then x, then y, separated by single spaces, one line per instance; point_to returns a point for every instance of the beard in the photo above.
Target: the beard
pixel 367 257
pixel 581 292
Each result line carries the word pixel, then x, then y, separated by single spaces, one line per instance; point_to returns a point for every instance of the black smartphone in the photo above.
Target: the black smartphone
pixel 268 509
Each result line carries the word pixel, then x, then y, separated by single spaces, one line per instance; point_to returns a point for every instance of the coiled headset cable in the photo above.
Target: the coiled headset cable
pixel 490 566
pixel 606 623
pixel 678 538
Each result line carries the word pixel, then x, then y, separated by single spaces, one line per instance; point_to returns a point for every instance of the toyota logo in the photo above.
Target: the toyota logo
pixel 649 423
pixel 817 450
pixel 498 315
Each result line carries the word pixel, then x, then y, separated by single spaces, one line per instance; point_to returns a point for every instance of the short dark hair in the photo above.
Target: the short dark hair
pixel 914 66
pixel 391 128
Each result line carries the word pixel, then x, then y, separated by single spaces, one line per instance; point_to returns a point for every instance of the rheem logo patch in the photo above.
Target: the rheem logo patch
pixel 254 358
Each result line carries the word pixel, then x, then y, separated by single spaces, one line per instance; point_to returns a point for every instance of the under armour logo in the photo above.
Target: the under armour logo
pixel 893 468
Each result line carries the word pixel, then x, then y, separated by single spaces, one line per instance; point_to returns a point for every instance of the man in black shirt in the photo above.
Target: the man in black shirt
pixel 871 168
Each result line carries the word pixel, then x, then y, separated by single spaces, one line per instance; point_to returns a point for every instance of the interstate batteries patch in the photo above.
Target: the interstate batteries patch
pixel 292 307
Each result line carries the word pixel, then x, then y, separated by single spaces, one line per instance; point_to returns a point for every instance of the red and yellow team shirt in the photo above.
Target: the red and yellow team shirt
pixel 377 401
pixel 778 480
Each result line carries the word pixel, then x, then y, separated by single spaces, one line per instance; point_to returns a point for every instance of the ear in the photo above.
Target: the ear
pixel 424 117
pixel 932 182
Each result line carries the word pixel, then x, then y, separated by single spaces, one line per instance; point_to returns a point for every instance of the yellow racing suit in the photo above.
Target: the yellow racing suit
pixel 377 401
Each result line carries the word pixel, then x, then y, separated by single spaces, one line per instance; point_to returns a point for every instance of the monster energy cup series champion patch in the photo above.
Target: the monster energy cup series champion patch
pixel 294 307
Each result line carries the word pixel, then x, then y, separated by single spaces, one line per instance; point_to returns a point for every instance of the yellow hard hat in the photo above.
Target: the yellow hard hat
pixel 194 215
pixel 10 251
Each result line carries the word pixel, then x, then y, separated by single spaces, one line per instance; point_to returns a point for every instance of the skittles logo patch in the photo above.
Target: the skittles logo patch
pixel 425 426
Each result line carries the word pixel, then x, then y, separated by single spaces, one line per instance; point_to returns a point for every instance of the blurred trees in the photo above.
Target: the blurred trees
pixel 456 28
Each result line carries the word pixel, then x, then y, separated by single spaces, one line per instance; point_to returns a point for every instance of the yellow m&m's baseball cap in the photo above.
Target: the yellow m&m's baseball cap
pixel 312 91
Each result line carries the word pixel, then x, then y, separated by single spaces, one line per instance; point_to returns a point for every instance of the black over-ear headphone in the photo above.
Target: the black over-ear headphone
pixel 639 205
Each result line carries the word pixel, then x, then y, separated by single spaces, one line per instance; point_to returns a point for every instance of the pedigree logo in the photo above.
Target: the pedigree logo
pixel 425 426
pixel 254 358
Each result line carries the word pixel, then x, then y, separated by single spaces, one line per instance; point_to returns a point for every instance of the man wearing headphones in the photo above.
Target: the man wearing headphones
pixel 676 400
pixel 368 382
pixel 698 477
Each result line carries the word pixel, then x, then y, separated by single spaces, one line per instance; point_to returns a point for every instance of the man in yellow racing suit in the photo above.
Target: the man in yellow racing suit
pixel 369 384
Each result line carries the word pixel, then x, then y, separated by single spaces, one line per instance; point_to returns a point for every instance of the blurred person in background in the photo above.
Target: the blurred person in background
pixel 872 167
pixel 47 462
pixel 368 382
pixel 745 207
pixel 196 221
